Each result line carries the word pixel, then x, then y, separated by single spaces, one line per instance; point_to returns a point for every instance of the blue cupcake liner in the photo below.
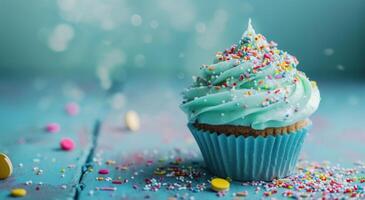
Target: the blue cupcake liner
pixel 250 158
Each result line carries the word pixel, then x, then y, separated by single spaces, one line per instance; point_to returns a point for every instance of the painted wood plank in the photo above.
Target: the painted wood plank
pixel 163 136
pixel 26 107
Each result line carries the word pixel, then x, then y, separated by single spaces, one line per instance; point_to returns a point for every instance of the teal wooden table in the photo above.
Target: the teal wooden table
pixel 161 160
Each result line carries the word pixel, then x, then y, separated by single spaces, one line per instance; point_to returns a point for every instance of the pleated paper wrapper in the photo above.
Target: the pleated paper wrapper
pixel 250 158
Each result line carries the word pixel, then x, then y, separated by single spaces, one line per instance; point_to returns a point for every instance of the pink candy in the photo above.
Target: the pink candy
pixel 67 144
pixel 53 127
pixel 72 109
pixel 103 171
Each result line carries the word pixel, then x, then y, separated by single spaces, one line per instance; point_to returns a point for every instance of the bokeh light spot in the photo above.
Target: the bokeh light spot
pixel 60 37
pixel 136 20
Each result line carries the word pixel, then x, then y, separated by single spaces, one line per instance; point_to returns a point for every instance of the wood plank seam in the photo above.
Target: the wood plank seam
pixel 89 159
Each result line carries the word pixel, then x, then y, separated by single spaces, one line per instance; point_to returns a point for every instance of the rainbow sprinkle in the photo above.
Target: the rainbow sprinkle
pixel 182 175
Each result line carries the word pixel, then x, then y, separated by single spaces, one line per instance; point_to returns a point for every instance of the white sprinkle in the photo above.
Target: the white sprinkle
pixel 29 182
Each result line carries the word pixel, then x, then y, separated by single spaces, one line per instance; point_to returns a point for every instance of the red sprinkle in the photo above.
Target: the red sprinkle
pixel 117 182
pixel 266 56
pixel 103 171
pixel 257 67
pixel 241 77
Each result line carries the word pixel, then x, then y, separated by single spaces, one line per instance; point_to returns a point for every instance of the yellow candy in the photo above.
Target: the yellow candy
pixel 18 192
pixel 219 184
pixel 132 120
pixel 6 168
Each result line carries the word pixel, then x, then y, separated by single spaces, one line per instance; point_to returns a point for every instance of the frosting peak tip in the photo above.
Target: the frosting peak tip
pixel 249 29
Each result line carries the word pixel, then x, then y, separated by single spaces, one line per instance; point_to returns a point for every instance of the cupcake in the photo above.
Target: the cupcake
pixel 249 110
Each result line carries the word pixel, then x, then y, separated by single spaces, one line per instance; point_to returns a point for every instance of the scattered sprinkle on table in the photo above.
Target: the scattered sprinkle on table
pixel 159 171
pixel 18 192
pixel 67 144
pixel 241 194
pixel 117 182
pixel 103 171
pixel 181 174
pixel 106 188
pixel 219 184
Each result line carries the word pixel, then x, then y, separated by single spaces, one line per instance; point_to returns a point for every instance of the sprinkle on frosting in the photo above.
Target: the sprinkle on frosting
pixel 257 74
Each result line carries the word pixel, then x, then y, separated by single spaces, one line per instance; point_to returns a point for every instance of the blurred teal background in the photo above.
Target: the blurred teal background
pixel 113 56
pixel 114 39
